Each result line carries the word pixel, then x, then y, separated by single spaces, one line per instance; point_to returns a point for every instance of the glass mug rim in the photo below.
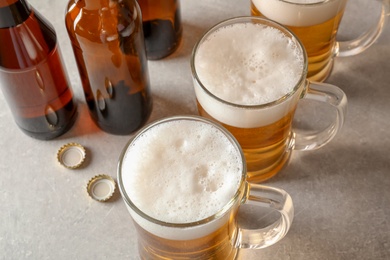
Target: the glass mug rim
pixel 259 20
pixel 221 213
pixel 320 2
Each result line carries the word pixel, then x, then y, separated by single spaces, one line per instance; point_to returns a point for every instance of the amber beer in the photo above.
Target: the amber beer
pixel 183 179
pixel 315 23
pixel 265 148
pixel 217 245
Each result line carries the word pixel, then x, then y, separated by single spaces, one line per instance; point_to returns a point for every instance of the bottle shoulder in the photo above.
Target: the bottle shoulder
pixel 27 44
pixel 101 25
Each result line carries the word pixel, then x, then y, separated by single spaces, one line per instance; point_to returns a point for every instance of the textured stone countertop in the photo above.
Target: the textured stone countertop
pixel 341 192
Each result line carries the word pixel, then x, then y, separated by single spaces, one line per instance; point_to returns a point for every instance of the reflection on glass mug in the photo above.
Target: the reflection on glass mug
pixel 252 87
pixel 316 23
pixel 183 180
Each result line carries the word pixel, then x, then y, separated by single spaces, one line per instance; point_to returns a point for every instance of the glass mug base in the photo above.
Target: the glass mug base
pixel 257 173
pixel 152 247
pixel 320 67
pixel 145 255
pixel 216 245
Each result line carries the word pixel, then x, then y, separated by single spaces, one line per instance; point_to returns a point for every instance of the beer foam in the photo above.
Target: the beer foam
pixel 249 64
pixel 181 172
pixel 293 13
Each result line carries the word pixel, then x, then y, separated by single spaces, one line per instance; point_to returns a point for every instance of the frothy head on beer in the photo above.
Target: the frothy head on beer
pixel 249 63
pixel 247 72
pixel 181 171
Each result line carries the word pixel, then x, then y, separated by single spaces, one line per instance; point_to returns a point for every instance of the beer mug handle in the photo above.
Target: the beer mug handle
pixel 274 199
pixel 337 100
pixel 356 46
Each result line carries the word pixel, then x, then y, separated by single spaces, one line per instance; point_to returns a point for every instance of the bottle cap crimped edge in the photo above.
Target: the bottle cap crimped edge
pixel 71 155
pixel 101 187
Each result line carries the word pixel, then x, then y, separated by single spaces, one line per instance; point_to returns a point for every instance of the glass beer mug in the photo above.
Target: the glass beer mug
pixel 316 23
pixel 253 88
pixel 183 180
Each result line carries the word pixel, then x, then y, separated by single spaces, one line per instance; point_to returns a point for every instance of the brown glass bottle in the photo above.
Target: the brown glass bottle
pixel 32 77
pixel 108 45
pixel 162 27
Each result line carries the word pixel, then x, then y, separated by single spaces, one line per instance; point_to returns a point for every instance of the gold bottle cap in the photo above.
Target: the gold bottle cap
pixel 71 155
pixel 101 187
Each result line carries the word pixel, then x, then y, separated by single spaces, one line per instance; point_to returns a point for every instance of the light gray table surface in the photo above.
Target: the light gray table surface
pixel 341 192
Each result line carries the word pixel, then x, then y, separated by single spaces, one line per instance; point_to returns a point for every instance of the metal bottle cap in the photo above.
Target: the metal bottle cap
pixel 101 187
pixel 71 155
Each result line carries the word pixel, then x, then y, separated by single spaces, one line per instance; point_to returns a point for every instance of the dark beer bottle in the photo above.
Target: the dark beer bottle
pixel 32 77
pixel 108 45
pixel 162 27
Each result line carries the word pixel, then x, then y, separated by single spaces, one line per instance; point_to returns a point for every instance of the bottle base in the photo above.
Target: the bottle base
pixel 49 135
pixel 261 175
pixel 125 127
pixel 161 39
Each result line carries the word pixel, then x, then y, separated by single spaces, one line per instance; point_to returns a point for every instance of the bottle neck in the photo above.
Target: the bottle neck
pixel 13 12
